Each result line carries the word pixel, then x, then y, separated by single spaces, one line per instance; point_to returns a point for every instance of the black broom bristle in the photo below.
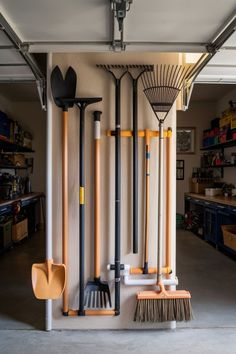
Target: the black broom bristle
pixel 163 310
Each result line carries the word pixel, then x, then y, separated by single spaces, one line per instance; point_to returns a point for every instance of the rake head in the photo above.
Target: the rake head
pixel 162 86
pixel 97 294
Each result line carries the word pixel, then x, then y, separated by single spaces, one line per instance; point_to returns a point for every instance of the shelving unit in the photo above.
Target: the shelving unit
pixel 227 144
pixel 13 167
pixel 8 146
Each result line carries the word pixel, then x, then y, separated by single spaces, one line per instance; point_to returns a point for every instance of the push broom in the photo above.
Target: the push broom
pixel 161 89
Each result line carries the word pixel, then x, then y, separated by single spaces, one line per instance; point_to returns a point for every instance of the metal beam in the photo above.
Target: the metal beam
pixel 14 64
pixel 30 61
pixel 80 46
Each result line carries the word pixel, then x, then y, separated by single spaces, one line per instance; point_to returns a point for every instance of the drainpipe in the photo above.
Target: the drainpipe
pixel 48 307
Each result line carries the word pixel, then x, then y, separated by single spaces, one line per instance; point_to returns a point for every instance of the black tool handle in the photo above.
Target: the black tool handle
pixel 135 166
pixel 81 211
pixel 117 196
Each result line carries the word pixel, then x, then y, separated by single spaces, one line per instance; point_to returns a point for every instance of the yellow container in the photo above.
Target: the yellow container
pixel 233 122
pixel 225 121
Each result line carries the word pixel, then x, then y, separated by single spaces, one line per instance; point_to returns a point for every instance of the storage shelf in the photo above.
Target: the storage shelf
pixel 8 167
pixel 228 143
pixel 220 166
pixel 8 146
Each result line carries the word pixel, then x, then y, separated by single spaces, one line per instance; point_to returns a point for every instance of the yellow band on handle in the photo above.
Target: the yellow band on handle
pixel 81 195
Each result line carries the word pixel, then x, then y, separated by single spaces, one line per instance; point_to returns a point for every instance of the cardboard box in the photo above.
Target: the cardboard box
pixel 229 234
pixel 197 187
pixel 17 159
pixel 20 230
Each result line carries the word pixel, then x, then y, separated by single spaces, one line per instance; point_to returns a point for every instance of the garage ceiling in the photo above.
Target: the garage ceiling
pixel 180 21
pixel 153 25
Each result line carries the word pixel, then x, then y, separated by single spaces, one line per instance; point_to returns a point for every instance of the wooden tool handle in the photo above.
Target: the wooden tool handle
pixel 147 202
pixel 168 201
pixel 65 203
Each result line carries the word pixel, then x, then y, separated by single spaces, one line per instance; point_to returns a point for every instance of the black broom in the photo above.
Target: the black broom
pixel 161 90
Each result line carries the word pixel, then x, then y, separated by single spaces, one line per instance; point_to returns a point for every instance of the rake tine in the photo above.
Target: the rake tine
pixel 109 298
pixel 175 78
pixel 105 300
pixel 98 300
pixel 178 77
pixel 181 78
pixel 85 299
pixel 158 75
pixel 169 74
pixel 101 300
pixel 172 69
pixel 161 75
pixel 92 302
pixel 173 75
pixel 143 80
pixel 152 79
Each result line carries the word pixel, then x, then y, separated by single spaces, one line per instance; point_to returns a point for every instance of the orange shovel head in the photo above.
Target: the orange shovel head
pixel 48 280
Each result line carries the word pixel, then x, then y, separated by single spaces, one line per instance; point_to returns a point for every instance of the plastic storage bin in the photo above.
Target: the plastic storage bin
pixel 229 235
pixel 211 192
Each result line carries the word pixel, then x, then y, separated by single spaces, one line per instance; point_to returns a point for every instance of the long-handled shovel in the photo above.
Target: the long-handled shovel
pixel 49 278
pixel 97 292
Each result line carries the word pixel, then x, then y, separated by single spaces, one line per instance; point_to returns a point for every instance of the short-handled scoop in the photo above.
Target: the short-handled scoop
pixel 97 292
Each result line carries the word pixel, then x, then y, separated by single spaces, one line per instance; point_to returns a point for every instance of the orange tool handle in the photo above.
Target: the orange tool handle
pixel 147 202
pixel 168 202
pixel 65 203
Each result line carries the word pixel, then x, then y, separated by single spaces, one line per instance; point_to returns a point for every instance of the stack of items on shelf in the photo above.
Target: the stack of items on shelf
pixel 213 158
pixel 222 129
pixel 201 178
pixel 12 131
pixel 11 186
pixel 197 221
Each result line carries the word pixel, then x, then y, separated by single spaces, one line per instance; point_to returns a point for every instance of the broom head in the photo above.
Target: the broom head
pixel 162 306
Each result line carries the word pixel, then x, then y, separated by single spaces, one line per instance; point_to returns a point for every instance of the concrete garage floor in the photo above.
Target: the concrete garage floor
pixel 18 307
pixel 207 273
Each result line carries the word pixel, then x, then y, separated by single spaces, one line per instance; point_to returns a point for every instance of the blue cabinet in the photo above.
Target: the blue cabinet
pixel 214 216
pixel 210 224
pixel 223 218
